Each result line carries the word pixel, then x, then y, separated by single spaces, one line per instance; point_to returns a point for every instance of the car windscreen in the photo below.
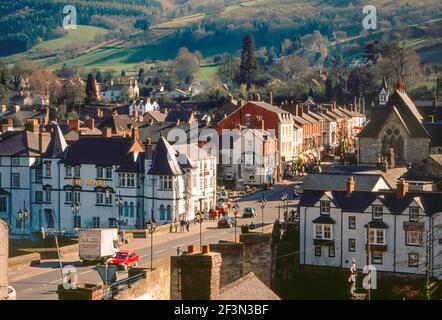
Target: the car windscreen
pixel 120 255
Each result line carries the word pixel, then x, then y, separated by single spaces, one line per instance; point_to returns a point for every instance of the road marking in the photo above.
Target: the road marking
pixel 55 281
pixel 161 251
pixel 85 272
pixel 207 238
pixel 145 256
pixel 27 290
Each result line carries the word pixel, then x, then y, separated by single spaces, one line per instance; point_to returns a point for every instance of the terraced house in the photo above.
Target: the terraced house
pixel 396 231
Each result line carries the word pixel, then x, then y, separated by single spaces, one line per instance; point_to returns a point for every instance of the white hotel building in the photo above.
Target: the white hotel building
pixel 405 229
pixel 99 182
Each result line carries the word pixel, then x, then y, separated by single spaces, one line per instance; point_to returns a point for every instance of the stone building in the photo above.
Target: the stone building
pixel 399 126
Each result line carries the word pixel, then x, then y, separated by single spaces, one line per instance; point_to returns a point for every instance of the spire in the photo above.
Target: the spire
pixel 383 93
pixel 57 145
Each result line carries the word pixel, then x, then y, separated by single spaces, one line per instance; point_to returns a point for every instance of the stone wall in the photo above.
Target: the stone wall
pixel 258 255
pixel 4 253
pixel 19 262
pixel 154 285
pixel 232 256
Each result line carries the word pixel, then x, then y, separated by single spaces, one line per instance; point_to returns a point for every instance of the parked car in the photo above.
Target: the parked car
pixel 297 191
pixel 222 195
pixel 12 294
pixel 226 223
pixel 125 259
pixel 249 212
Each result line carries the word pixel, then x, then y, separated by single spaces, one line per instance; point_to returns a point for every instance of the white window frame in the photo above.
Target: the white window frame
pixel 375 259
pixel 320 231
pixel 15 177
pixel 413 238
pixel 325 204
pixel 414 216
pixel 415 261
pixel 377 212
pixel 376 235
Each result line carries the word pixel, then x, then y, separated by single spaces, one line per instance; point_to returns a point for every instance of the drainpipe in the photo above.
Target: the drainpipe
pixel 394 245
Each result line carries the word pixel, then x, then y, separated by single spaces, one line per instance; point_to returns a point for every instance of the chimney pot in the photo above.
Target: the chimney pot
pixel 401 189
pixel 350 185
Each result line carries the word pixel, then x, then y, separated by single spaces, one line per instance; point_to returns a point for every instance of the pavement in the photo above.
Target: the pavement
pixel 40 282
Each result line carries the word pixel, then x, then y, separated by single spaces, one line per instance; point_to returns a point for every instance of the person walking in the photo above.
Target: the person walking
pixel 188 225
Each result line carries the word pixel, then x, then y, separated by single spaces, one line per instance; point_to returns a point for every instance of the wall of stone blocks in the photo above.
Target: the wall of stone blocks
pixel 232 256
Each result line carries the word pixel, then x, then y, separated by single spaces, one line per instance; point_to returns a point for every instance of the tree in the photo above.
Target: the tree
pixel 372 52
pixel 359 82
pixel 186 65
pixel 328 93
pixel 21 70
pixel 249 66
pixel 143 24
pixel 45 83
pixel 229 71
pixel 91 88
pixel 289 68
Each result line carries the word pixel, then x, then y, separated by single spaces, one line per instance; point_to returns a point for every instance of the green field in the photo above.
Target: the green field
pixel 206 73
pixel 80 35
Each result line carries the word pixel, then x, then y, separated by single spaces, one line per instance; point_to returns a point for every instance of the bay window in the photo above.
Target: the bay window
pixel 323 231
pixel 377 236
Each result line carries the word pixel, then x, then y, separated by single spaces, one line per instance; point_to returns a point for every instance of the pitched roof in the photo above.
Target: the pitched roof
pixel 338 181
pixel 22 143
pixel 407 112
pixel 429 169
pixel 98 150
pixel 165 161
pixel 435 131
pixel 57 145
pixel 248 287
pixel 132 164
pixel 181 115
pixel 118 123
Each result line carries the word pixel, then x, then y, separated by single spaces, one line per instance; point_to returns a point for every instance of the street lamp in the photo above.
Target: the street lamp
pixel 263 202
pixel 75 207
pixel 235 213
pixel 151 225
pixel 119 202
pixel 284 199
pixel 23 214
pixel 199 218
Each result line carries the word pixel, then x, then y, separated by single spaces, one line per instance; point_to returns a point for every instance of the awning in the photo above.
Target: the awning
pixel 324 220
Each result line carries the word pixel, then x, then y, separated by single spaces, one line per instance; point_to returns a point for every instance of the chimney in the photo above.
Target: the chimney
pixel 46 119
pixel 90 123
pixel 74 124
pixel 42 136
pixel 107 132
pixel 148 148
pixel 271 97
pixel 239 102
pixel 306 109
pixel 203 284
pixel 4 109
pixel 300 111
pixel 294 110
pixel 401 189
pixel 258 97
pixel 333 105
pixel 140 119
pixel 135 133
pixel 33 125
pixel 16 108
pixel 400 86
pixel 350 185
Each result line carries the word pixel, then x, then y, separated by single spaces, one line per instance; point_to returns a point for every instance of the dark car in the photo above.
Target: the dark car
pixel 226 223
pixel 249 213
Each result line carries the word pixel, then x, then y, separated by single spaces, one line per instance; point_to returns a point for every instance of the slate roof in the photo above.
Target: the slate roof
pixel 248 287
pixel 165 161
pixel 429 169
pixel 118 123
pixel 338 181
pixel 182 116
pixel 57 145
pixel 98 150
pixel 400 103
pixel 22 143
pixel 435 131
pixel 156 129
pixel 132 165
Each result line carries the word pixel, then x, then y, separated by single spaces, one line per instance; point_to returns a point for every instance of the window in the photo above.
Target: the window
pixel 132 210
pixel 128 180
pixel 376 257
pixel 49 218
pixel 414 213
pixel 96 222
pixel 47 195
pixel 99 198
pixel 112 223
pixel 104 198
pixel 325 207
pixel 377 236
pixel 331 251
pixel 166 182
pixel 19 224
pixel 99 173
pixel 68 171
pixel 413 238
pixel 413 259
pixel 77 221
pixel 77 172
pixel 38 196
pixel 48 169
pixel 76 196
pixel 15 162
pixel 352 222
pixel 323 231
pixel 352 245
pixel 3 204
pixel 38 175
pixel 248 120
pixel 109 173
pixel 68 197
pixel 16 180
pixel 378 212
pixel 318 251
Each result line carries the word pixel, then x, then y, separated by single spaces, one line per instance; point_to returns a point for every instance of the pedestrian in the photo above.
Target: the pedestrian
pixel 171 228
pixel 187 226
pixel 176 226
pixel 182 224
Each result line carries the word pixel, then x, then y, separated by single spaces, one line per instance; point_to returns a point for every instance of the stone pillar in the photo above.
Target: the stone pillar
pixel 232 260
pixel 258 255
pixel 200 275
pixel 4 254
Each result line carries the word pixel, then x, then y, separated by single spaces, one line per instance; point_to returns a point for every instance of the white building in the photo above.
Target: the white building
pixel 141 107
pixel 334 228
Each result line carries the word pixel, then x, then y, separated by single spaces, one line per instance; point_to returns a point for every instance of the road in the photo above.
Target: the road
pixel 40 282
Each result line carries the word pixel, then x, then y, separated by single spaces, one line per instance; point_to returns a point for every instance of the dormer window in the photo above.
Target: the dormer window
pixel 414 214
pixel 325 207
pixel 378 212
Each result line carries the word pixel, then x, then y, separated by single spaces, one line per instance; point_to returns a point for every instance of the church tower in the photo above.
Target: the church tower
pixel 384 93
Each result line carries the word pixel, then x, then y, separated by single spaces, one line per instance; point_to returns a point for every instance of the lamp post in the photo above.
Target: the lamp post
pixel 151 225
pixel 199 218
pixel 23 215
pixel 284 199
pixel 75 207
pixel 119 202
pixel 263 202
pixel 235 213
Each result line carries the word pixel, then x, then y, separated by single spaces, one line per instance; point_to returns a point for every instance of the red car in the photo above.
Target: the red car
pixel 125 259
